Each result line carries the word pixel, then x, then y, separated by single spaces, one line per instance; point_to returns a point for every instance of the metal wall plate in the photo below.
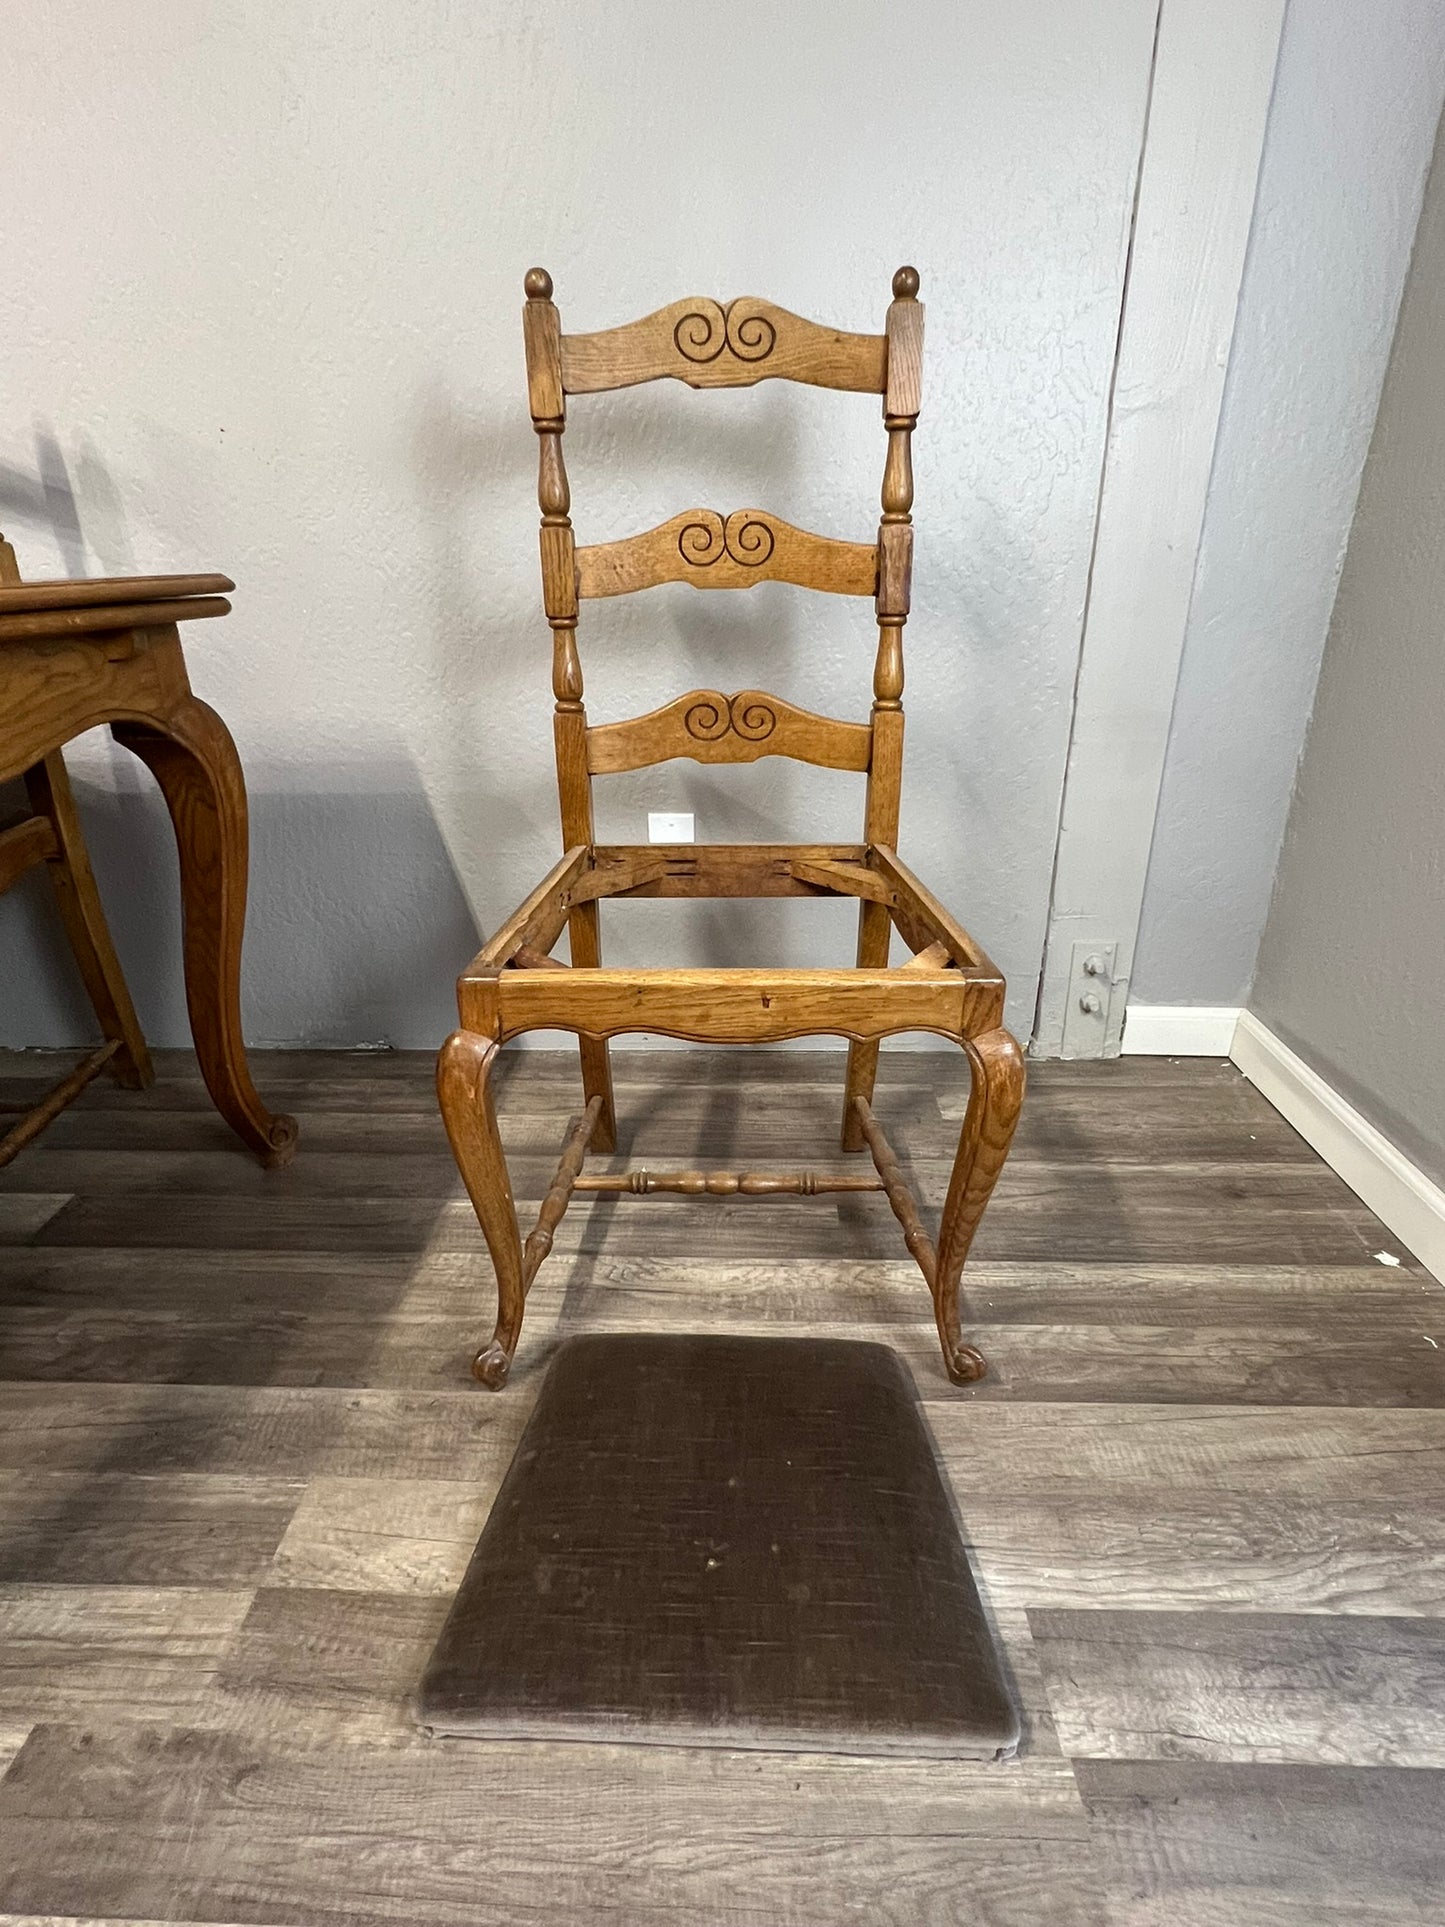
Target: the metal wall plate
pixel 1091 996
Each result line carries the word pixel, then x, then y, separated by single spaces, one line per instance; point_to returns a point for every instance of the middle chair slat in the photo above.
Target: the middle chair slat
pixel 712 551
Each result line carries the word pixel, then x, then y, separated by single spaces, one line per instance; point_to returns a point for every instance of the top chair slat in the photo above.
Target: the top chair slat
pixel 707 345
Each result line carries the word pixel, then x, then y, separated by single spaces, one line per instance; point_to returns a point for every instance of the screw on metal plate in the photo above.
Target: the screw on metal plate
pixel 1092 988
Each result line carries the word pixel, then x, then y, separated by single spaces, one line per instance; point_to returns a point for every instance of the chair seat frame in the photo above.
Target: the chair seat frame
pixel 948 986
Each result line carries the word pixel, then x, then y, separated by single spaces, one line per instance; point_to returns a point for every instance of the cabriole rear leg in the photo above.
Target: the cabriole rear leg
pixel 875 934
pixel 997 1064
pixel 585 938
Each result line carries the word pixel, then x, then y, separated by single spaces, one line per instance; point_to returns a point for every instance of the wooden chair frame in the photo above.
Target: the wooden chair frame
pixel 514 984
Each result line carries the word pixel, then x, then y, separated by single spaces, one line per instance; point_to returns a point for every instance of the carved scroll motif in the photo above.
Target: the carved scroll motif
pixel 708 329
pixel 712 551
pixel 710 344
pixel 707 538
pixel 748 715
pixel 709 727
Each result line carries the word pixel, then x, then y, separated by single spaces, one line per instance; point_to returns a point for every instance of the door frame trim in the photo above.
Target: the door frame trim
pixel 1209 98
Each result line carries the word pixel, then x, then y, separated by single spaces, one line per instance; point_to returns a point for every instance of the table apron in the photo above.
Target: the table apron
pixel 56 688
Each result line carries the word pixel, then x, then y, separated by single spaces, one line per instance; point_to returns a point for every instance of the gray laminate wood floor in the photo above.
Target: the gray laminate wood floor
pixel 242 1465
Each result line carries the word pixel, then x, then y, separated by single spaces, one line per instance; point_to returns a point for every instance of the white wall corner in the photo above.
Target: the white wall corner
pixel 1179 1030
pixel 1399 1193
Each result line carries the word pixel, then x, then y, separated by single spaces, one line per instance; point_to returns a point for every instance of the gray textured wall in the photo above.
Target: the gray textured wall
pixel 1350 966
pixel 261 312
pixel 1356 101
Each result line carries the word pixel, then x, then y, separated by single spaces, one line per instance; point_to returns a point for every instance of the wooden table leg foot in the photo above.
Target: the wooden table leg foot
pixel 192 756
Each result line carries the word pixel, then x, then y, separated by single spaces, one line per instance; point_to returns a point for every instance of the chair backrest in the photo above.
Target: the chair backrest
pixel 706 345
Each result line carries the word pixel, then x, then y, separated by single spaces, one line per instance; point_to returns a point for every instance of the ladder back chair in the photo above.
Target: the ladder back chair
pixel 514 984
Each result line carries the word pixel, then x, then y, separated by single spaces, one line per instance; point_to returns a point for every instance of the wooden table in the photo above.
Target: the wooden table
pixel 77 654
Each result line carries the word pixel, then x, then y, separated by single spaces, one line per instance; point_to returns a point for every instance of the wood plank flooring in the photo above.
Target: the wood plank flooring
pixel 242 1466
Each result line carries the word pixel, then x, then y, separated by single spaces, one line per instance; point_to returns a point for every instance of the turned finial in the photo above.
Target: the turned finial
pixel 905 284
pixel 538 284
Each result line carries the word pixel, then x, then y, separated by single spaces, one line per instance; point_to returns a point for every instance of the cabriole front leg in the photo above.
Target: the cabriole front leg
pixel 464 1092
pixel 190 753
pixel 997 1064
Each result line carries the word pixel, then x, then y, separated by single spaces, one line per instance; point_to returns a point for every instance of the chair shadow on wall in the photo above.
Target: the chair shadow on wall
pixel 43 497
pixel 352 963
pixel 151 1321
pixel 355 922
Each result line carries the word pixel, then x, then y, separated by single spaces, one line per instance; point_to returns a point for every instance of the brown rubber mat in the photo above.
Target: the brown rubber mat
pixel 742 1542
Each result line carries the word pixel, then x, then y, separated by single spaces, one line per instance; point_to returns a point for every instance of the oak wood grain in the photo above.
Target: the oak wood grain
pixel 699 341
pixel 706 726
pixel 113 1652
pixel 1207 1552
pixel 97 619
pixel 1316 1452
pixel 414 1834
pixel 52 835
pixel 1312 1688
pixel 734 1006
pixel 1196 1845
pixel 336 1664
pixel 51 797
pixel 1189 1213
pixel 725 1119
pixel 708 345
pixel 331 1344
pixel 78 654
pixel 384 1535
pixel 278 1431
pixel 99 1528
pixel 22 846
pixel 54 1101
pixel 90 591
pixel 1208 1406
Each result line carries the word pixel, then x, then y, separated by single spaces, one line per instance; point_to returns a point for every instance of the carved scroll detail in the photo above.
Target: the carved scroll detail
pixel 701 334
pixel 711 345
pixel 708 330
pixel 747 714
pixel 709 727
pixel 707 538
pixel 712 551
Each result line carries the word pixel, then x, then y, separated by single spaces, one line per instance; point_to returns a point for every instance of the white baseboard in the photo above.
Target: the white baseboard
pixel 1397 1191
pixel 1179 1030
